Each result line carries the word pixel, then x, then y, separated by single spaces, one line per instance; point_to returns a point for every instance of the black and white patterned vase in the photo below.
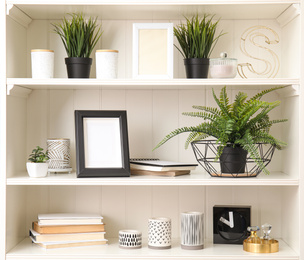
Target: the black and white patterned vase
pixel 192 230
pixel 130 239
pixel 159 233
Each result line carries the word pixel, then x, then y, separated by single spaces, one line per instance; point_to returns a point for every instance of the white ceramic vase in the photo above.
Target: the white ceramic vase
pixel 192 230
pixel 159 233
pixel 37 170
pixel 130 239
pixel 42 63
pixel 106 64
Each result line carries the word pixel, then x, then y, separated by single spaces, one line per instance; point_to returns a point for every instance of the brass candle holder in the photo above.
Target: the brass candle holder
pixel 265 244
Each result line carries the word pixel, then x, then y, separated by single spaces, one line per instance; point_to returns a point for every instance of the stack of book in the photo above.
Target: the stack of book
pixel 68 230
pixel 160 168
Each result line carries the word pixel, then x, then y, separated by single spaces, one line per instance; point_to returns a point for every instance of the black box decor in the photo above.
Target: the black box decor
pixel 230 224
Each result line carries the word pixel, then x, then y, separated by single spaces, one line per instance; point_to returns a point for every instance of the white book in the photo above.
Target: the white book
pixel 69 219
pixel 157 165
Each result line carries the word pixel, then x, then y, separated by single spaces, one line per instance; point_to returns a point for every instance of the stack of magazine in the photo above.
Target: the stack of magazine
pixel 68 230
pixel 160 168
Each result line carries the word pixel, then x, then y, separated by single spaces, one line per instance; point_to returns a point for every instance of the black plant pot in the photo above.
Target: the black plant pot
pixel 197 67
pixel 233 160
pixel 78 67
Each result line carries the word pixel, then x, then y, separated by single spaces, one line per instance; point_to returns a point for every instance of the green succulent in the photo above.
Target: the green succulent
pixel 38 156
pixel 197 37
pixel 78 35
pixel 243 123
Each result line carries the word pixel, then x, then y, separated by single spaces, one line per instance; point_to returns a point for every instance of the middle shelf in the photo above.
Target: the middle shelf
pixel 177 83
pixel 194 179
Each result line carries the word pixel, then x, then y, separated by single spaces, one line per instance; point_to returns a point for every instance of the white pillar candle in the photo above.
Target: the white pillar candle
pixel 42 63
pixel 106 64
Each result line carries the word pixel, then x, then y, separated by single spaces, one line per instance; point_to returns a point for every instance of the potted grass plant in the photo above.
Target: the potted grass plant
pixel 197 38
pixel 237 127
pixel 38 163
pixel 79 37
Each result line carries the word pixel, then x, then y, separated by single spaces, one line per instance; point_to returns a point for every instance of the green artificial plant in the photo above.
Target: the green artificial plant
pixel 79 36
pixel 38 156
pixel 243 123
pixel 197 37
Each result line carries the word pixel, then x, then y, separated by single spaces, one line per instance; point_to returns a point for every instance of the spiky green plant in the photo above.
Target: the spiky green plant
pixel 78 35
pixel 197 37
pixel 38 156
pixel 243 123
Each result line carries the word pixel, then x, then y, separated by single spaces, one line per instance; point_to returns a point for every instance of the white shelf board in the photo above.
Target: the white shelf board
pixel 154 9
pixel 178 83
pixel 27 250
pixel 195 178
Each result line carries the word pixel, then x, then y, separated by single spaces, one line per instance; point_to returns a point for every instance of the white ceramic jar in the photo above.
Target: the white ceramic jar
pixel 192 230
pixel 42 63
pixel 106 64
pixel 159 233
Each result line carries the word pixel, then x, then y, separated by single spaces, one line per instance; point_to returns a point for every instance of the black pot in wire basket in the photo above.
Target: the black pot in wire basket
pixel 233 162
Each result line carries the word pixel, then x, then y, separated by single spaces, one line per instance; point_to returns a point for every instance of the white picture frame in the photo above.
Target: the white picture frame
pixel 153 50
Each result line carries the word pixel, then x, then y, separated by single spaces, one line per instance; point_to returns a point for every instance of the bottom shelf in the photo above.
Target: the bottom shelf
pixel 27 250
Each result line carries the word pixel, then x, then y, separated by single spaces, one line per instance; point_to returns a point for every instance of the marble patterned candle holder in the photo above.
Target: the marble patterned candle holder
pixel 159 233
pixel 130 239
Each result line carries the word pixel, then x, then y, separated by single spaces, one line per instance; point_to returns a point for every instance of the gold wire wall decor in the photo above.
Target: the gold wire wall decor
pixel 252 36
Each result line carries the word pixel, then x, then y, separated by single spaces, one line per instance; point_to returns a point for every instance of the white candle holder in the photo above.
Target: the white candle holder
pixel 106 64
pixel 59 154
pixel 42 63
pixel 159 233
pixel 192 230
pixel 130 239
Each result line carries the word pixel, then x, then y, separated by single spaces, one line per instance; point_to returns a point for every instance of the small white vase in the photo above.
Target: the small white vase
pixel 42 63
pixel 159 233
pixel 130 239
pixel 192 230
pixel 106 64
pixel 37 170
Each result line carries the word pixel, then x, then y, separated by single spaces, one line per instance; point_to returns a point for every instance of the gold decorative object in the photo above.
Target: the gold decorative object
pixel 251 36
pixel 265 244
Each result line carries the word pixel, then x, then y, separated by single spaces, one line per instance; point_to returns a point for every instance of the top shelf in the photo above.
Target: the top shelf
pixel 23 86
pixel 153 9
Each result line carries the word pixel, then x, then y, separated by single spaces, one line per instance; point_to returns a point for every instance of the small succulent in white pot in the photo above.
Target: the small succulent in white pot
pixel 38 163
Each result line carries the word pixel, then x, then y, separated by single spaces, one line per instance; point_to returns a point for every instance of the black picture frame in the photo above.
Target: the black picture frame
pixel 102 146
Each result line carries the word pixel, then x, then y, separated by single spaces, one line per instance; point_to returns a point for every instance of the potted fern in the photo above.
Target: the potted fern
pixel 79 37
pixel 237 126
pixel 197 38
pixel 38 163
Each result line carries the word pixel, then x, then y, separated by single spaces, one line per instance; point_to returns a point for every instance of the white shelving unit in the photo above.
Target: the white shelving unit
pixel 32 110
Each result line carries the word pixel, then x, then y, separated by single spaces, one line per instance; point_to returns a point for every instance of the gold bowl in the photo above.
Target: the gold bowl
pixel 266 246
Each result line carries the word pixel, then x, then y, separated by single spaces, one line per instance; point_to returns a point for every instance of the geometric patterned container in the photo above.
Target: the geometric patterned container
pixel 59 154
pixel 159 233
pixel 130 239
